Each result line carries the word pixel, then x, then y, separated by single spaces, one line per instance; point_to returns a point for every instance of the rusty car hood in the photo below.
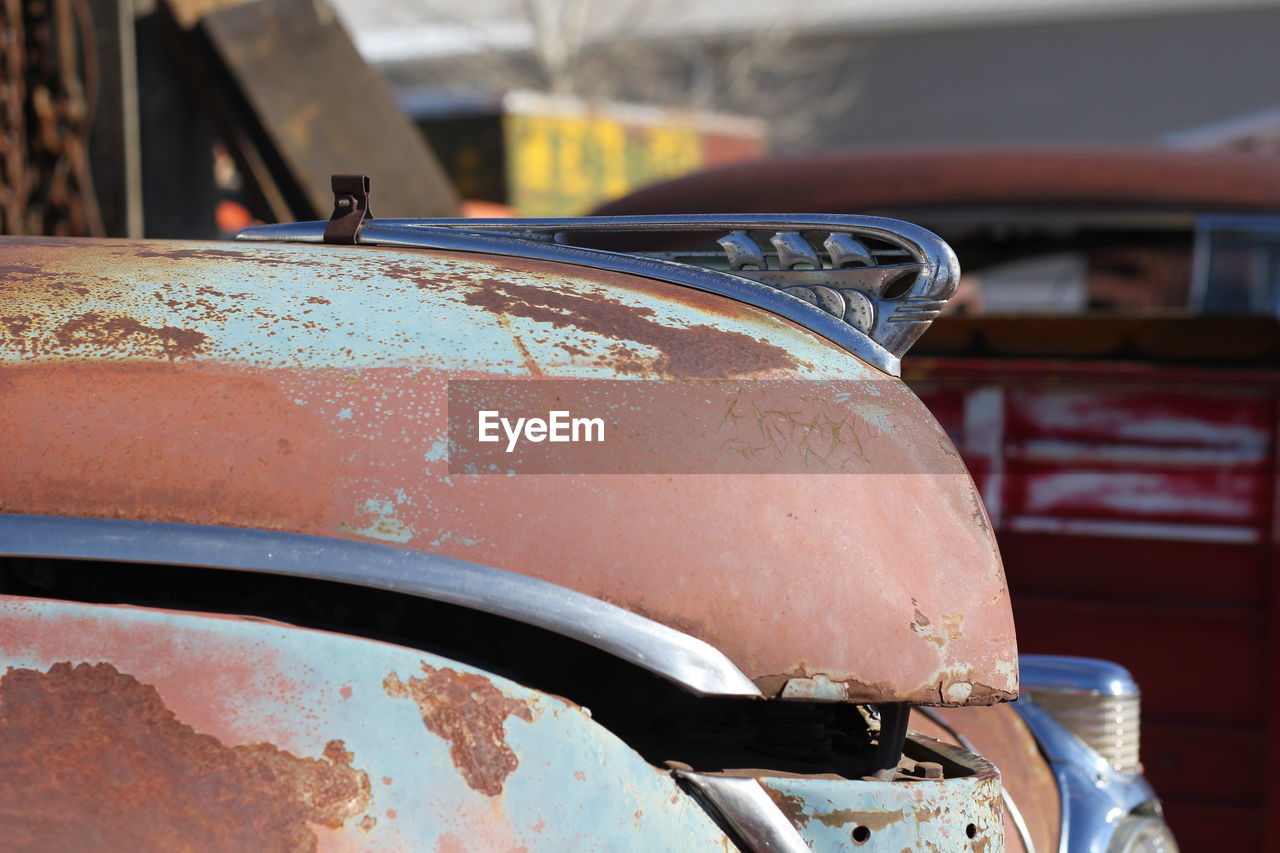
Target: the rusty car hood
pixel 303 388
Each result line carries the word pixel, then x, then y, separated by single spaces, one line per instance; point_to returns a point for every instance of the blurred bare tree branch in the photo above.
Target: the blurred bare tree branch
pixel 601 50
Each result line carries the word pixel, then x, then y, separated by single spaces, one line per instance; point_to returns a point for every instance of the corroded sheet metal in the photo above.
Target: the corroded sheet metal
pixel 961 813
pixel 999 735
pixel 303 388
pixel 132 729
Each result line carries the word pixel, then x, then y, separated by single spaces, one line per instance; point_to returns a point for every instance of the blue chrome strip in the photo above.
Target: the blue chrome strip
pixel 1086 675
pixel 678 657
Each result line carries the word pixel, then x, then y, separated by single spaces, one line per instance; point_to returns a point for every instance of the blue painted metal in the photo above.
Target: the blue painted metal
pixel 539 774
pixel 1095 797
pixel 962 813
pixel 1062 672
pixel 888 330
pixel 319 306
pixel 302 388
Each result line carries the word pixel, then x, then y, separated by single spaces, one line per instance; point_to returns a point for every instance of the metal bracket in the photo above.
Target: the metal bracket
pixel 350 209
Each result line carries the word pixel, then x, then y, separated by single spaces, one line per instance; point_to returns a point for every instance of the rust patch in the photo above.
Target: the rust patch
pixel 257 255
pixel 953 687
pixel 16 326
pixel 697 352
pixel 873 821
pixel 468 711
pixel 120 332
pixel 7 270
pixel 951 629
pixel 92 759
pixel 790 805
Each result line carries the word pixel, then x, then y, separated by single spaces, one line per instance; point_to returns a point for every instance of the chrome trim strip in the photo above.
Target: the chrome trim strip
pixel 749 811
pixel 880 339
pixel 687 661
pixel 1094 797
pixel 1084 675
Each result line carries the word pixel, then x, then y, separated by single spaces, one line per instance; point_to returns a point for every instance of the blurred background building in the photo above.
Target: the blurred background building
pixel 832 73
pixel 553 106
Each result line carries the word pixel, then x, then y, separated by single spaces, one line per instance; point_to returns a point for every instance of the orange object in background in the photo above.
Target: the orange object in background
pixel 231 216
pixel 476 209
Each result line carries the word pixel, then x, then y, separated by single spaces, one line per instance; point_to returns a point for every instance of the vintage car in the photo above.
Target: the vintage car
pixel 1110 372
pixel 266 583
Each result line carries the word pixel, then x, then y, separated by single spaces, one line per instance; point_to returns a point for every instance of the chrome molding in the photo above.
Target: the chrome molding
pixel 1094 796
pixel 684 660
pixel 1085 675
pixel 868 284
pixel 748 810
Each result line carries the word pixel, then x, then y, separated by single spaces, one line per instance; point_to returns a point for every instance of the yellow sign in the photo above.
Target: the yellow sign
pixel 564 163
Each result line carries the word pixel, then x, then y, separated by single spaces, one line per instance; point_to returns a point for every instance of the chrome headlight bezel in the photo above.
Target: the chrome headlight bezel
pixel 1136 833
pixel 1097 701
pixel 1097 800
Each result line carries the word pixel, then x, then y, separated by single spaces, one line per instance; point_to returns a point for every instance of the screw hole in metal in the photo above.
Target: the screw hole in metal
pixel 861 834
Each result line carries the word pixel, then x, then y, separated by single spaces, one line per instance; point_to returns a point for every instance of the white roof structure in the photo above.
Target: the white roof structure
pixel 405 30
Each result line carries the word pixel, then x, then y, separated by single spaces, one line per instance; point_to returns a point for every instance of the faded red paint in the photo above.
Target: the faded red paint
pixel 467 710
pixel 93 759
pixel 173 443
pixel 351 450
pixel 697 352
pixel 1162 554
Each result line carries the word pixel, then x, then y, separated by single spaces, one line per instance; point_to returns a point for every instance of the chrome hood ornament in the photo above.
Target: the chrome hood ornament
pixel 868 284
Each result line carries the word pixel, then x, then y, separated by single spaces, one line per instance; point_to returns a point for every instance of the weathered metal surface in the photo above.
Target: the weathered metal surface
pixel 999 735
pixel 684 660
pixel 900 298
pixel 132 729
pixel 1046 178
pixel 1166 562
pixel 958 813
pixel 302 388
pixel 744 805
pixel 1116 451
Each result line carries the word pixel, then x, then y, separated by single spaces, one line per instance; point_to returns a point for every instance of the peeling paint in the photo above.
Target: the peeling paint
pixel 93 759
pixel 227 734
pixel 315 403
pixel 469 712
